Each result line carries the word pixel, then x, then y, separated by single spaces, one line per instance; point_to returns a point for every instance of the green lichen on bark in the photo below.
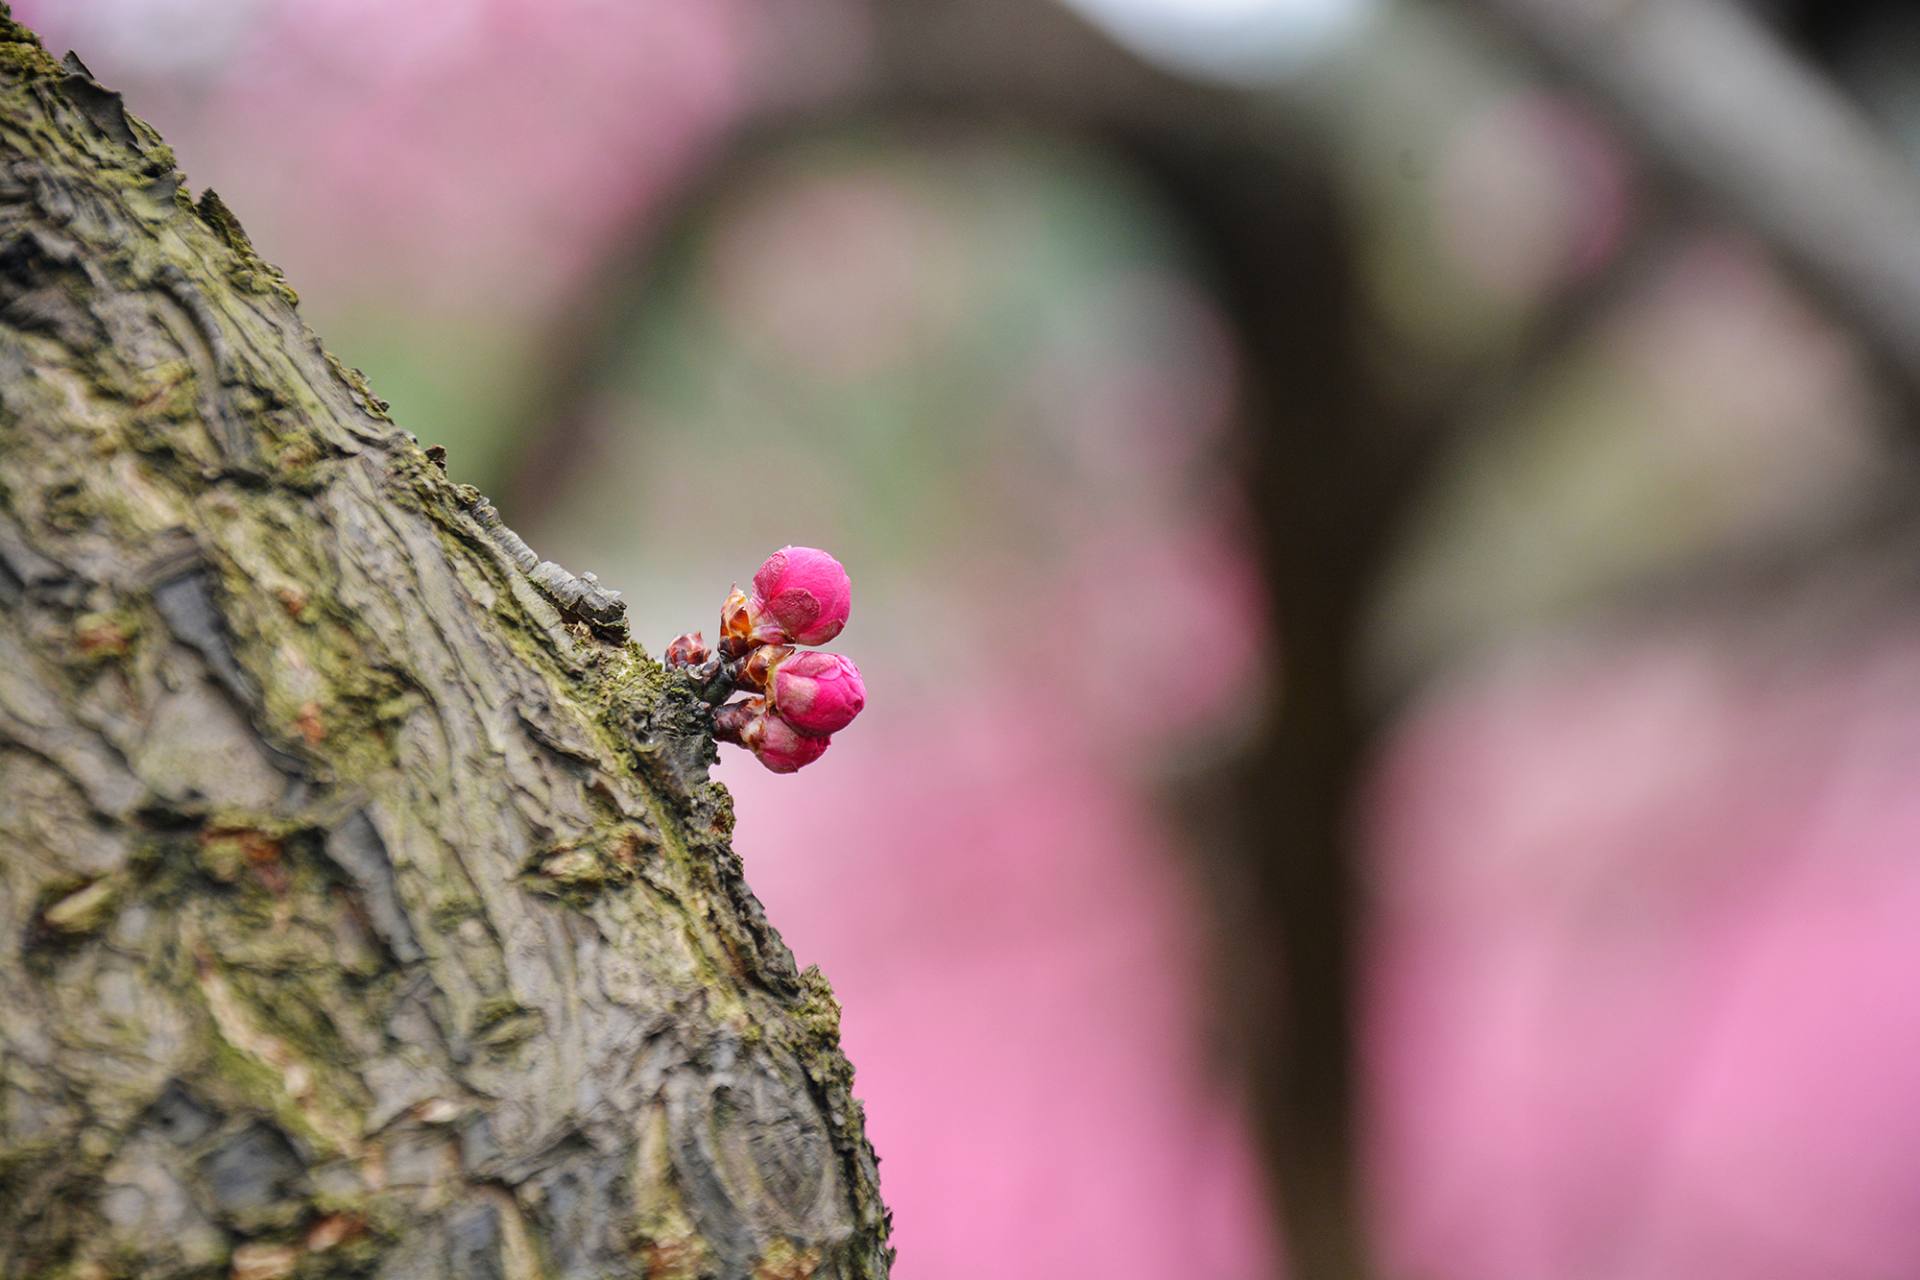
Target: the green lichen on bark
pixel 368 910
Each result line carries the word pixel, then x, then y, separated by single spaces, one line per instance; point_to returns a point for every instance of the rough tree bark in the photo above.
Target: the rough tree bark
pixel 366 908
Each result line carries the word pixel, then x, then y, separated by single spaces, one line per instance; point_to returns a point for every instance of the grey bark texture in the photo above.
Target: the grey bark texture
pixel 365 908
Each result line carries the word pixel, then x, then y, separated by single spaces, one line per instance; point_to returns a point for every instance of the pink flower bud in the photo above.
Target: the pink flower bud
pixel 687 650
pixel 782 748
pixel 817 693
pixel 806 592
pixel 774 742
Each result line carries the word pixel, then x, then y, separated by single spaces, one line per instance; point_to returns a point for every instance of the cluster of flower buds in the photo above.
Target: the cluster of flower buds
pixel 796 700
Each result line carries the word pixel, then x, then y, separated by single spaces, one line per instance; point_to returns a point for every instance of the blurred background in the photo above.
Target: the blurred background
pixel 1384 550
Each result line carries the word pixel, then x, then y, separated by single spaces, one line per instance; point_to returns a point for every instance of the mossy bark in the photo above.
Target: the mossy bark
pixel 366 909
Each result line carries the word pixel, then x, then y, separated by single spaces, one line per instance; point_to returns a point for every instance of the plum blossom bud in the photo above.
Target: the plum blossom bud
pixel 774 742
pixel 730 722
pixel 745 624
pixel 757 671
pixel 800 596
pixel 806 592
pixel 819 694
pixel 687 650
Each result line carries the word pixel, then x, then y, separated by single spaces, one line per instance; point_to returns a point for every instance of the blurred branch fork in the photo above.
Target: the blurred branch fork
pixel 1722 104
pixel 1335 462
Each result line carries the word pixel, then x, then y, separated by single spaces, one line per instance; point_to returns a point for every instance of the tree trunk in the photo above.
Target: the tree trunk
pixel 366 906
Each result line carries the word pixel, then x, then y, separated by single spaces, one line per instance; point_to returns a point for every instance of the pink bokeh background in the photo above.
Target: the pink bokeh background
pixel 1646 1001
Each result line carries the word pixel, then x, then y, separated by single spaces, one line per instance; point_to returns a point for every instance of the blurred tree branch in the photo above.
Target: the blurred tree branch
pixel 1719 102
